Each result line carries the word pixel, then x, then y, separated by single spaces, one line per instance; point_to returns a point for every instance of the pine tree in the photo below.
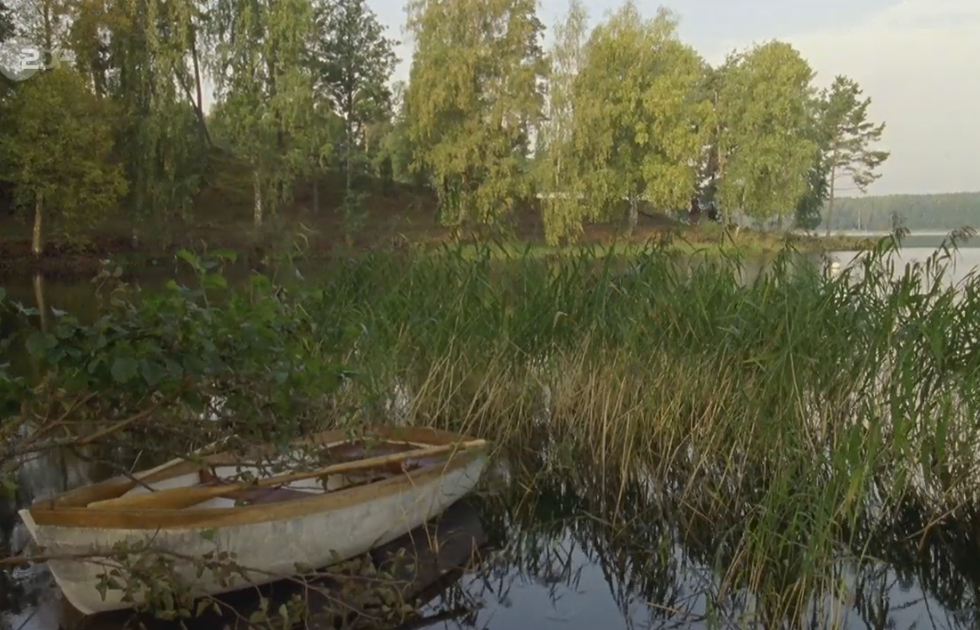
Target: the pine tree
pixel 850 137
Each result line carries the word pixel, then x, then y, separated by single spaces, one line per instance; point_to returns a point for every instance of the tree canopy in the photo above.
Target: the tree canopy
pixel 617 117
pixel 6 22
pixel 639 122
pixel 59 153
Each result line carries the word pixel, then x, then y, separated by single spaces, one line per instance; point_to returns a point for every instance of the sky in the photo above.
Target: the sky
pixel 918 60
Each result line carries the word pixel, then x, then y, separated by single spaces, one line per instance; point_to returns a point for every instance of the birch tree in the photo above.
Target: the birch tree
pixel 146 57
pixel 44 23
pixel 262 78
pixel 640 120
pixel 764 142
pixel 57 153
pixel 561 207
pixel 850 137
pixel 476 94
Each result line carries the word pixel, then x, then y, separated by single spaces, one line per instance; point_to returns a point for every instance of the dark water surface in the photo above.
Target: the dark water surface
pixel 556 562
pixel 557 557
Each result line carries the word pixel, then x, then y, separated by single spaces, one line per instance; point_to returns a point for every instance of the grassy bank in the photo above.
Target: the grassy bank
pixel 391 216
pixel 795 415
pixel 310 239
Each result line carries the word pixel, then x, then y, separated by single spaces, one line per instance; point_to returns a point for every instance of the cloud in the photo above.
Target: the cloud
pixel 919 61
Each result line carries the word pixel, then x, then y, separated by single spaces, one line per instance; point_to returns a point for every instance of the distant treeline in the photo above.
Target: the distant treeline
pixel 916 212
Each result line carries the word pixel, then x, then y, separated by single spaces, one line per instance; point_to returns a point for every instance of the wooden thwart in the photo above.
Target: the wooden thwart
pixel 179 498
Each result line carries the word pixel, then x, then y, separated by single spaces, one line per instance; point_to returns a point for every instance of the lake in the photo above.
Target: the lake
pixel 555 555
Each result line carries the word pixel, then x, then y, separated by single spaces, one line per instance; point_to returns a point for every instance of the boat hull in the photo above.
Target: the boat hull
pixel 269 550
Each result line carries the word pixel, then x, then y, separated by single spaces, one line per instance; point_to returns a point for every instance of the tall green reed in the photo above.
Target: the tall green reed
pixel 789 409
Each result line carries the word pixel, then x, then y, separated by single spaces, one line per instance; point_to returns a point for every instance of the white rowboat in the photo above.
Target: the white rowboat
pixel 282 527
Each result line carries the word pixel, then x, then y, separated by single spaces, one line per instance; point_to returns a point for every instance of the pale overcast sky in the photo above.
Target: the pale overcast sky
pixel 919 60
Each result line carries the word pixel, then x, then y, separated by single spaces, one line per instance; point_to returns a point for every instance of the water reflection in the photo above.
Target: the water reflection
pixel 594 548
pixel 420 569
pixel 583 549
pixel 666 566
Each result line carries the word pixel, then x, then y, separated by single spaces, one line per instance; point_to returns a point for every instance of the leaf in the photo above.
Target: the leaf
pixel 189 258
pixel 152 372
pixel 225 254
pixel 9 486
pixel 123 369
pixel 215 281
pixel 202 605
pixel 39 343
pixel 174 368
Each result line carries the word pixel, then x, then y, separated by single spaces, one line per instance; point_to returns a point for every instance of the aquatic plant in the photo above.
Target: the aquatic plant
pixel 787 416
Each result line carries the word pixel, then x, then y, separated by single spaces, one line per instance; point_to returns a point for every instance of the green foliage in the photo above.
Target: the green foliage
pixel 352 61
pixel 556 156
pixel 809 412
pixel 763 109
pixel 625 112
pixel 809 208
pixel 59 149
pixel 639 122
pixel 849 138
pixel 145 58
pixel 475 96
pixel 398 146
pixel 266 88
pixel 175 352
pixel 7 28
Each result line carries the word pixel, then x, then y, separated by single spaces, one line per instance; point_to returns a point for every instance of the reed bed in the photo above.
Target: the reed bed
pixel 801 408
pixel 788 416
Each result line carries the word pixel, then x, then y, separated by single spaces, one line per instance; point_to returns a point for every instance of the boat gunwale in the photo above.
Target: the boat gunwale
pixel 69 509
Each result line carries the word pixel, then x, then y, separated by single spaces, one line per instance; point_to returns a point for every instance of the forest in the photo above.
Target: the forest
pixel 613 121
pixel 728 441
pixel 941 212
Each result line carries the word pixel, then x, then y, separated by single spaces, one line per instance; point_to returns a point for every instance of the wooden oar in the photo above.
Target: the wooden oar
pixel 178 498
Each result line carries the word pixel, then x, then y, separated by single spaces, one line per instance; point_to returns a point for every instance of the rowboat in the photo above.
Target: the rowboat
pixel 274 525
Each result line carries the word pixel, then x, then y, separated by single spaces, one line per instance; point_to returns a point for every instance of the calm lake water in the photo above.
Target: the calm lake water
pixel 556 561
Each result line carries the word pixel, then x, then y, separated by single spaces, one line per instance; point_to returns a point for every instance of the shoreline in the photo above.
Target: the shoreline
pixel 65 259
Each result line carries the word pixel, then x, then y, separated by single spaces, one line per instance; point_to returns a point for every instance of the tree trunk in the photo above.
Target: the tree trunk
pixel 633 215
pixel 833 182
pixel 257 189
pixel 48 33
pixel 349 157
pixel 830 199
pixel 199 105
pixel 42 304
pixel 316 194
pixel 37 242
